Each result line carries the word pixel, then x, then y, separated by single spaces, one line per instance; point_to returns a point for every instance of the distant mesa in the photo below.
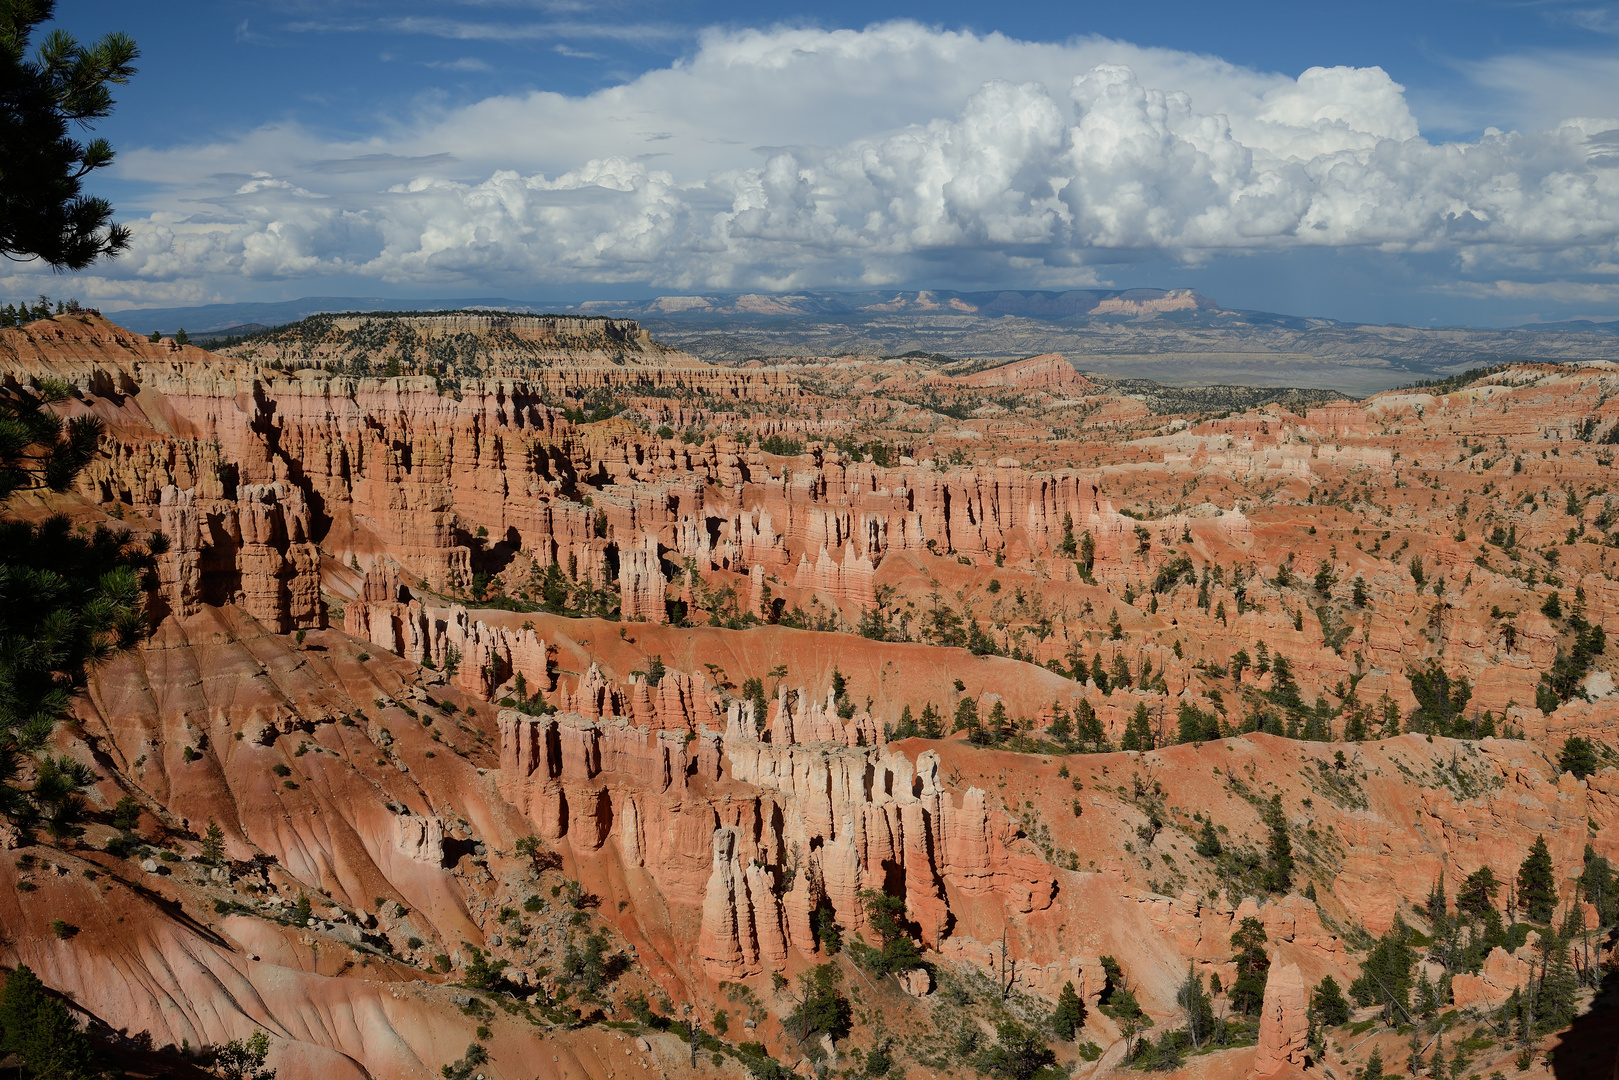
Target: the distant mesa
pixel 1127 303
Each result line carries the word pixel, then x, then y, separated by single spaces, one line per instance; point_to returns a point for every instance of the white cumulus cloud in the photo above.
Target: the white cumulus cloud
pixel 799 157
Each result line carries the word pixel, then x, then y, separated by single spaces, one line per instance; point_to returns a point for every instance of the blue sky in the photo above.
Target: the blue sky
pixel 1445 162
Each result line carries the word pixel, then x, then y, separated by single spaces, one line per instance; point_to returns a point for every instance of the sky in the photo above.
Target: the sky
pixel 1432 163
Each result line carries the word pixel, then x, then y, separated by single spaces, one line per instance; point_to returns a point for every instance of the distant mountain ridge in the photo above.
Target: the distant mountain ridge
pixel 1174 336
pixel 1125 303
pixel 1186 306
pixel 1072 304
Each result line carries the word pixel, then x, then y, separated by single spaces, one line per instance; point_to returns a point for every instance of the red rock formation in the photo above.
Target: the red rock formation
pixel 1283 1023
pixel 1050 372
pixel 1502 973
pixel 485 658
pixel 1340 420
pixel 852 581
pixel 712 840
pixel 259 555
pixel 642 591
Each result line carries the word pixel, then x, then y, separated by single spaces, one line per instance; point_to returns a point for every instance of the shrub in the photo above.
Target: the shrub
pixel 827 932
pixel 481 972
pixel 475 1056
pixel 760 1065
pixel 641 1009
pixel 898 952
pixel 781 446
pixel 821 1008
pixel 243 1059
pixel 1019 1053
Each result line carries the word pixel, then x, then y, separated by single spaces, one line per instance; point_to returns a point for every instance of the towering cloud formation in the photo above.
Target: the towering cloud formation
pixel 802 157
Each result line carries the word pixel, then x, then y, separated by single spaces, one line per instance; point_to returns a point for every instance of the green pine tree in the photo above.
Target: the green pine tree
pixel 1069 1016
pixel 1559 989
pixel 1279 874
pixel 967 717
pixel 1355 727
pixel 1000 725
pixel 1578 756
pixel 1328 1006
pixel 1478 893
pixel 1537 891
pixel 50 96
pixel 1138 732
pixel 39 1029
pixel 1088 728
pixel 1599 887
pixel 213 844
pixel 1436 907
pixel 932 723
pixel 68 600
pixel 1385 974
pixel 1099 674
pixel 1253 965
pixel 1199 1009
pixel 1195 725
pixel 1427 996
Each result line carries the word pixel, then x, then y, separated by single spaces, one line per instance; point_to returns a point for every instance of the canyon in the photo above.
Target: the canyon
pixel 496 642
